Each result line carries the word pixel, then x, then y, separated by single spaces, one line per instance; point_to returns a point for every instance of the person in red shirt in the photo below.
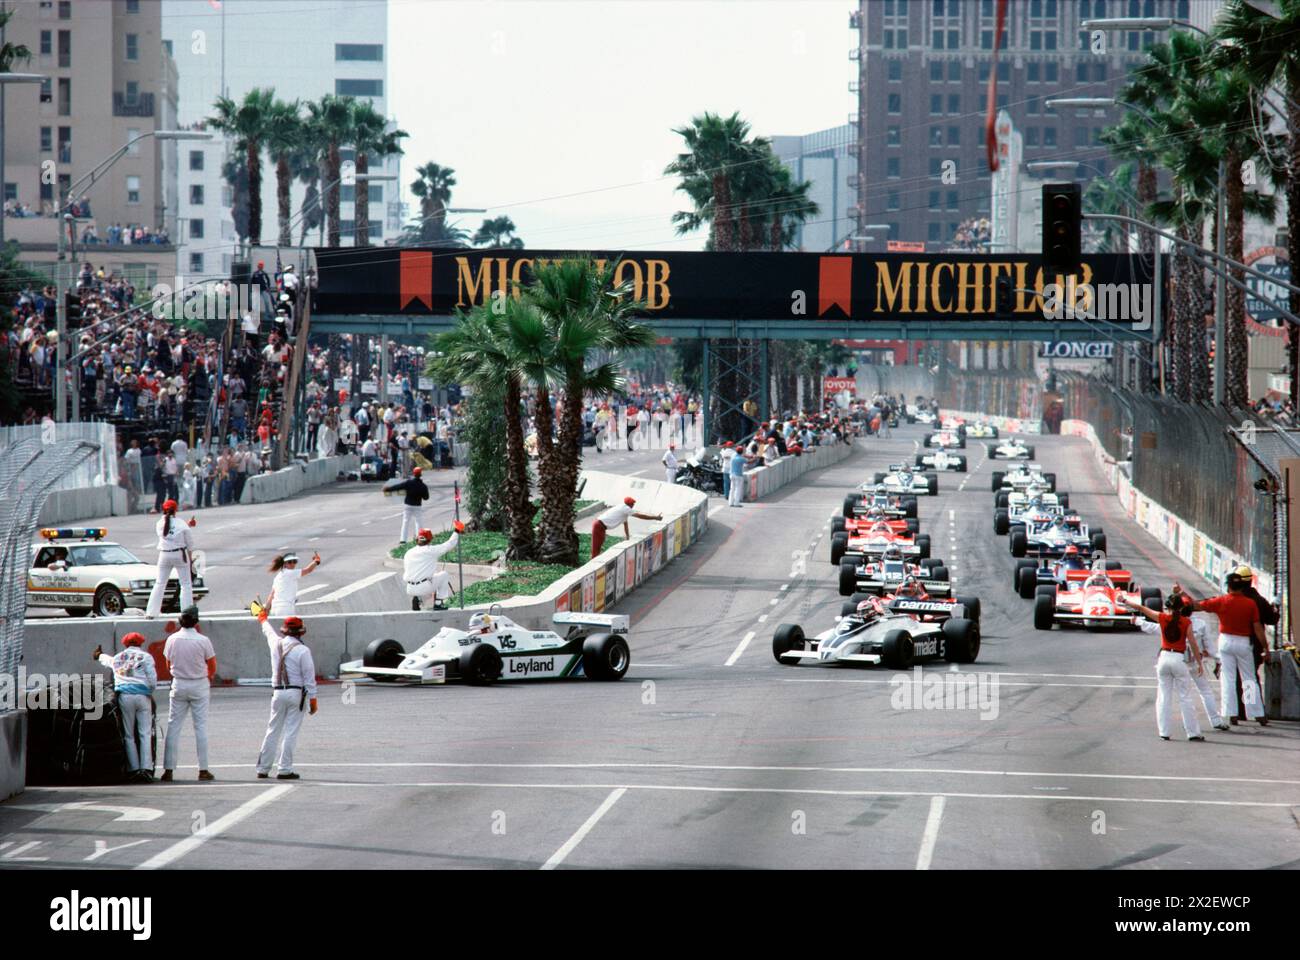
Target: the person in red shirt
pixel 1240 630
pixel 1174 679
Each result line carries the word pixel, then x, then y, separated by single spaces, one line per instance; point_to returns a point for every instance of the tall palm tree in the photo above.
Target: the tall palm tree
pixel 790 206
pixel 371 139
pixel 247 122
pixel 433 188
pixel 332 117
pixel 304 166
pixel 11 52
pixel 1114 195
pixel 1267 50
pixel 284 136
pixel 583 312
pixel 498 233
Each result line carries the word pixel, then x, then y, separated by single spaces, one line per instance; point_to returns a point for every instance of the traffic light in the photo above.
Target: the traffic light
pixel 1062 223
pixel 1003 305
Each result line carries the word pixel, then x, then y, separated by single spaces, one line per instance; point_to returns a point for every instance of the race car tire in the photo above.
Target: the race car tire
pixel 994 433
pixel 923 543
pixel 926 441
pixel 1063 499
pixel 848 578
pixel 972 605
pixel 839 543
pixel 1012 528
pixel 909 507
pixel 940 573
pixel 1027 586
pixel 997 480
pixel 1030 450
pixel 605 656
pixel 850 502
pixel 1113 565
pixel 1019 543
pixel 993 451
pixel 1001 521
pixel 913 526
pixel 848 608
pixel 1153 598
pixel 1046 589
pixel 877 478
pixel 896 650
pixel 929 563
pixel 1044 610
pixel 961 440
pixel 961 640
pixel 1099 542
pixel 1051 482
pixel 788 636
pixel 932 481
pixel 1002 498
pixel 480 664
pixel 109 602
pixel 77 611
pixel 961 464
pixel 1015 574
pixel 837 525
pixel 911 419
pixel 383 653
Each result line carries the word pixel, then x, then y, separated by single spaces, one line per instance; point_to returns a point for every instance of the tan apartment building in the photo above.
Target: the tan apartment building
pixel 109 80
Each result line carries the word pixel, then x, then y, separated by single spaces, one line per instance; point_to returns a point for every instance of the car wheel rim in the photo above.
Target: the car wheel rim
pixel 618 658
pixel 111 605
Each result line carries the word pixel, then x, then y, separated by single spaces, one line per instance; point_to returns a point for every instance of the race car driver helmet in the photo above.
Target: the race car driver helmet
pixel 875 513
pixel 481 622
pixel 1098 579
pixel 911 588
pixel 892 552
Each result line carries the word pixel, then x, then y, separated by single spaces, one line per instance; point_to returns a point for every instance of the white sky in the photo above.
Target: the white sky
pixel 560 114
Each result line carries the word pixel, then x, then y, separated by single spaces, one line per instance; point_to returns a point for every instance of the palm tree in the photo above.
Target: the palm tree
pixel 284 136
pixel 790 206
pixel 11 52
pixel 582 312
pixel 1267 50
pixel 332 117
pixel 434 190
pixel 304 166
pixel 247 122
pixel 1114 195
pixel 498 233
pixel 371 139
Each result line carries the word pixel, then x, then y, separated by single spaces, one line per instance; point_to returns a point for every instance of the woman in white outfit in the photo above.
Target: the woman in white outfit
pixel 283 599
pixel 175 550
pixel 1175 681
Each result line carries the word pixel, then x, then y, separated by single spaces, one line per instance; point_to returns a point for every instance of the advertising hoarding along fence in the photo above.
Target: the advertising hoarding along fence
pixel 900 288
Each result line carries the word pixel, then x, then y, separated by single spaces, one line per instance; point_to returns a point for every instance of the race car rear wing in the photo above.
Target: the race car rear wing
pixel 900 605
pixel 613 622
pixel 1117 577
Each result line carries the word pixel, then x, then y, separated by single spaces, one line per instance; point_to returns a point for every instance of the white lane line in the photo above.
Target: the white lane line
pixel 931 835
pixel 638 473
pixel 314 586
pixel 716 509
pixel 1005 683
pixel 216 828
pixel 390 516
pixel 763 618
pixel 952 515
pixel 774 601
pixel 735 655
pixel 312 539
pixel 785 586
pixel 353 587
pixel 365 523
pixel 249 557
pixel 558 856
pixel 344 530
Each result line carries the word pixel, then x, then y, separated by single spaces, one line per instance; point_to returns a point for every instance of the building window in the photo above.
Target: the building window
pixel 954 71
pixel 936 103
pixel 936 40
pixel 954 103
pixel 889 40
pixel 133 189
pixel 1099 72
pixel 1002 101
pixel 953 39
pixel 893 136
pixel 932 231
pixel 167 45
pixel 65 9
pixel 47 43
pixel 938 8
pixel 1031 105
pixel 133 137
pixel 986 39
pixel 132 93
pixel 1049 136
pixel 1049 40
pixel 132 6
pixel 902 39
pixel 196 194
pixel 889 8
pixel 952 200
pixel 359 88
pixel 892 202
pixel 893 167
pixel 1080 136
pixel 11 191
pixel 1051 9
pixel 65 97
pixel 1031 136
pixel 984 72
pixel 196 263
pixel 196 159
pixel 936 167
pixel 954 136
pixel 1035 9
pixel 1052 72
pixel 196 229
pixel 359 51
pixel 132 46
pixel 934 199
pixel 1081 72
pixel 895 104
pixel 936 137
pixel 1031 73
pixel 936 71
pixel 986 9
pixel 895 71
pixel 1004 72
pixel 65 144
pixel 47 139
pixel 65 49
pixel 1035 39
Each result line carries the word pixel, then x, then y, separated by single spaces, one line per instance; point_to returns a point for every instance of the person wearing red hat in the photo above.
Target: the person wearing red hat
pixel 669 460
pixel 414 494
pixel 422 571
pixel 612 517
pixel 175 551
pixel 293 687
pixel 134 678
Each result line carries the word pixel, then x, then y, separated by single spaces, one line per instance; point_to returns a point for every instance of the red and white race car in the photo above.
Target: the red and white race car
pixel 1090 598
pixel 872 541
pixel 857 526
pixel 947 437
pixel 914 599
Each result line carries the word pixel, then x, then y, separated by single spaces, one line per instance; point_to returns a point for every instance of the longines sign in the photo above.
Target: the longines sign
pixel 897 287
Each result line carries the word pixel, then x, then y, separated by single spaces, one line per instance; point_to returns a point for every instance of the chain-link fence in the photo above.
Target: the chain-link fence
pixel 29 470
pixel 97 471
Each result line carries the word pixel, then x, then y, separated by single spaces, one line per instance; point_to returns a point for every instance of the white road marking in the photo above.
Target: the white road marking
pixel 785 586
pixel 214 829
pixel 558 856
pixel 1097 686
pixel 314 586
pixel 739 649
pixel 931 835
pixel 312 539
pixel 353 587
pixel 344 530
pixel 391 516
pixel 138 814
pixel 716 509
pixel 774 601
pixel 763 618
pixel 952 515
pixel 249 557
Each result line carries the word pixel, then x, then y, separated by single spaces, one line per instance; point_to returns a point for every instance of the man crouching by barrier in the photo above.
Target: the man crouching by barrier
pixel 424 576
pixel 134 678
pixel 293 684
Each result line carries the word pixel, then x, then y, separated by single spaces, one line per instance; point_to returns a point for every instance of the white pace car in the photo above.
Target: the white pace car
pixel 494 647
pixel 894 633
pixel 1011 449
pixel 942 460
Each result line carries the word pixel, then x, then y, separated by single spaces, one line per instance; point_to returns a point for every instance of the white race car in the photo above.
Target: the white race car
pixel 901 479
pixel 982 430
pixel 942 460
pixel 1021 477
pixel 1011 449
pixel 494 647
pixel 79 571
pixel 894 634
pixel 1032 507
pixel 916 414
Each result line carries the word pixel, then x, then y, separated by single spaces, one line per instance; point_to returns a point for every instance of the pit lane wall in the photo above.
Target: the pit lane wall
pixel 297 477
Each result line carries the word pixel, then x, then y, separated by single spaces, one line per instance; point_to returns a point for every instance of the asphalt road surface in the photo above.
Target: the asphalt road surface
pixel 710 754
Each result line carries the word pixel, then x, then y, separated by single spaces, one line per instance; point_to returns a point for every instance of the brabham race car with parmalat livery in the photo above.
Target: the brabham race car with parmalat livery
pixel 77 570
pixel 494 647
pixel 894 634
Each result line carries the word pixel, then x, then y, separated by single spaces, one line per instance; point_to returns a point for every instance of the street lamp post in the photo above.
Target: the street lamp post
pixel 60 294
pixel 4 79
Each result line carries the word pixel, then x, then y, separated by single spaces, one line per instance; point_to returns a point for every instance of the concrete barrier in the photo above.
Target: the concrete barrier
pixel 83 503
pixel 297 477
pixel 769 478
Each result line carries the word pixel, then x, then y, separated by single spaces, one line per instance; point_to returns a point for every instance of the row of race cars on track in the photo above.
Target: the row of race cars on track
pixel 902 606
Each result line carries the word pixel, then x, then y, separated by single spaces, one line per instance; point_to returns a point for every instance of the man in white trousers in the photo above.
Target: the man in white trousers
pixel 414 493
pixel 669 460
pixel 193 663
pixel 175 550
pixel 1202 670
pixel 134 680
pixel 1240 628
pixel 293 685
pixel 422 571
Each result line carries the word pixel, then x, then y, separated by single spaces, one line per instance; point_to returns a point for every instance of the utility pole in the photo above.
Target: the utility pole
pixel 1220 293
